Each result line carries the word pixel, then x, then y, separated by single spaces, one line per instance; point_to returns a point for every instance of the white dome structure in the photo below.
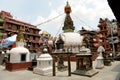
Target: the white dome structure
pixel 44 64
pixel 71 39
pixel 44 57
pixel 19 54
pixel 99 59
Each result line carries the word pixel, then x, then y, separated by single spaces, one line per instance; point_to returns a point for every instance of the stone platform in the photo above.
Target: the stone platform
pixel 107 73
pixel 89 73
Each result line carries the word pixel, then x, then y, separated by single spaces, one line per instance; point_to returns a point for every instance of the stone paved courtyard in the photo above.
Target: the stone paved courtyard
pixel 107 73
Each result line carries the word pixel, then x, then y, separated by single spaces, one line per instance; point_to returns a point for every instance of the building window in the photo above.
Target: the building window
pixel 1 31
pixel 105 28
pixel 9 26
pixel 23 57
pixel 105 34
pixel 1 24
pixel 101 28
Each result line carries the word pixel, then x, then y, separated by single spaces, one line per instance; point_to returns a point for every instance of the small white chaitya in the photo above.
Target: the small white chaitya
pixel 44 64
pixel 19 56
pixel 19 53
pixel 99 59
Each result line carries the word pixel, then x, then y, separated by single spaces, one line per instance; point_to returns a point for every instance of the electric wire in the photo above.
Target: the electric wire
pixel 82 21
pixel 59 30
pixel 49 20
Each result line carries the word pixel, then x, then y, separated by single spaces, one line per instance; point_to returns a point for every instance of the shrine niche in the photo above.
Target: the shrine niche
pixel 84 63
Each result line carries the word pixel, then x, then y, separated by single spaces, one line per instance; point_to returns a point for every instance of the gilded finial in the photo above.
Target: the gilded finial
pixel 68 8
pixel 67 4
pixel 20 36
pixel 68 23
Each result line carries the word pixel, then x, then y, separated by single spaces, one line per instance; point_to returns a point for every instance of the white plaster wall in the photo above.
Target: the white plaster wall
pixel 15 54
pixel 28 57
pixel 43 65
pixel 15 58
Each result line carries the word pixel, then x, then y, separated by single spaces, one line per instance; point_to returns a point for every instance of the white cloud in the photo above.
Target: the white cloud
pixel 84 13
pixel 91 10
pixel 50 4
pixel 50 25
pixel 39 20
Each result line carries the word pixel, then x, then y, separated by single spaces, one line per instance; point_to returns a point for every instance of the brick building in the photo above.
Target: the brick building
pixel 114 5
pixel 104 30
pixel 88 39
pixel 10 26
pixel 110 33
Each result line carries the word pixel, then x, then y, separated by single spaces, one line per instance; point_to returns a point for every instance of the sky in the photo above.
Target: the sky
pixel 85 13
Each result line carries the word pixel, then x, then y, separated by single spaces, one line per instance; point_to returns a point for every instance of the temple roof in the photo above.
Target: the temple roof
pixel 115 6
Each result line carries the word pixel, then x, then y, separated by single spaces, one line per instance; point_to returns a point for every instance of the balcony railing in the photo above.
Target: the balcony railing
pixel 11 30
pixel 32 34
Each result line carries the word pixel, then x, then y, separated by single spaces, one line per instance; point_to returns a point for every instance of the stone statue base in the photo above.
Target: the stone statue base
pixel 88 73
pixel 99 64
pixel 84 65
pixel 43 71
pixel 44 64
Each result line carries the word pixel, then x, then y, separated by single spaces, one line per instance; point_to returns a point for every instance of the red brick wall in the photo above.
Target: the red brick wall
pixel 17 66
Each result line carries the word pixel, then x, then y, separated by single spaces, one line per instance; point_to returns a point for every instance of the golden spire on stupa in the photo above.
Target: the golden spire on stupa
pixel 68 8
pixel 68 23
pixel 20 36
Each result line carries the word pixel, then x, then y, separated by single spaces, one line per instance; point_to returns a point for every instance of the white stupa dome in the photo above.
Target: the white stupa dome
pixel 45 57
pixel 16 54
pixel 19 50
pixel 45 50
pixel 71 38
